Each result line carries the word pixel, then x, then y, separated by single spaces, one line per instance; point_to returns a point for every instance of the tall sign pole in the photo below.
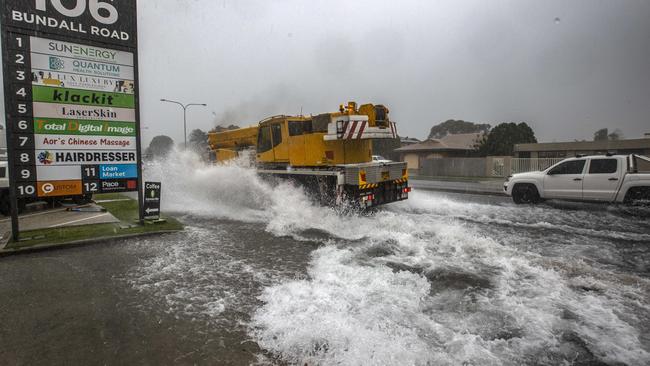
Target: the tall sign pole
pixel 9 123
pixel 71 98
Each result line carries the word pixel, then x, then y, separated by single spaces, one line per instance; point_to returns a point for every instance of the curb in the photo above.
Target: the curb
pixel 466 191
pixel 78 243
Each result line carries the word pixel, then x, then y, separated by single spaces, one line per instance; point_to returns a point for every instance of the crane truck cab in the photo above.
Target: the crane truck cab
pixel 329 154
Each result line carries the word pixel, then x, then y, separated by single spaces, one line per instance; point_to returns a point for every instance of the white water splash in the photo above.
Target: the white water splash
pixel 501 307
pixel 429 281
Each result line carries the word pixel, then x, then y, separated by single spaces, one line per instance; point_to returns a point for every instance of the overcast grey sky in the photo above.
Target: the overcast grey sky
pixel 566 67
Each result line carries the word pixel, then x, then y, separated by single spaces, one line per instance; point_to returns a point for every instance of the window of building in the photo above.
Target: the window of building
pixel 264 143
pixel 603 166
pixel 569 167
pixel 628 151
pixel 551 154
pixel 276 129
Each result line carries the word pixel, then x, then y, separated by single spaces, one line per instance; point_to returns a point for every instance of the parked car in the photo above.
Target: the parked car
pixel 601 178
pixel 380 159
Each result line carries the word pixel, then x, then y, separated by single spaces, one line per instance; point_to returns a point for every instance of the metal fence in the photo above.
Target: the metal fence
pixel 532 165
pixel 491 166
pixel 498 166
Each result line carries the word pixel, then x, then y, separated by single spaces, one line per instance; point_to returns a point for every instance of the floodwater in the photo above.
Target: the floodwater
pixel 262 276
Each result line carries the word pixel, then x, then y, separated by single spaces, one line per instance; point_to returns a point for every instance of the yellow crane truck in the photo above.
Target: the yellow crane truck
pixel 328 154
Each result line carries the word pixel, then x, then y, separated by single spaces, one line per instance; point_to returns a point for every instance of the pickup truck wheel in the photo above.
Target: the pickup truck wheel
pixel 638 195
pixel 525 194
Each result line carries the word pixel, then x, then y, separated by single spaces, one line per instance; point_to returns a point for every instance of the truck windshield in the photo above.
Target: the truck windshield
pixel 264 142
pixel 276 129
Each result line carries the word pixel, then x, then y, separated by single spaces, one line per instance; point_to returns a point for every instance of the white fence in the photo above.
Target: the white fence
pixel 498 167
pixel 532 165
pixel 491 166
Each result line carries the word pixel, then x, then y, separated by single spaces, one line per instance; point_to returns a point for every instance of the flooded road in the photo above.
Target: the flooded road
pixel 262 276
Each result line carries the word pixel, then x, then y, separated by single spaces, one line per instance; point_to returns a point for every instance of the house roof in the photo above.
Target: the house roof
pixel 586 145
pixel 464 142
pixel 409 140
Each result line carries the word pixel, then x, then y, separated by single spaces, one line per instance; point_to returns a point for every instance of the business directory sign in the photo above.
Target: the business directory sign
pixel 71 96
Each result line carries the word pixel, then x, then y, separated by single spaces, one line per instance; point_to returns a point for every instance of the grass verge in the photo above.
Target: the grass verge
pixel 122 207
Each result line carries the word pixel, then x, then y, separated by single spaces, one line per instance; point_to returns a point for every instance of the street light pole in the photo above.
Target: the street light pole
pixel 184 106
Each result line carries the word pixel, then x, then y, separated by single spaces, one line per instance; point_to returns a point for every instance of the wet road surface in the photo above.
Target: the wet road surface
pixel 262 276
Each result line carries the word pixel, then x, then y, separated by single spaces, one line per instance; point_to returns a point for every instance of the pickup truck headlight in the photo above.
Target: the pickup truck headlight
pixel 508 178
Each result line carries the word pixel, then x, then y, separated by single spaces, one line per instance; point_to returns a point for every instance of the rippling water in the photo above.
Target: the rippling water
pixel 435 280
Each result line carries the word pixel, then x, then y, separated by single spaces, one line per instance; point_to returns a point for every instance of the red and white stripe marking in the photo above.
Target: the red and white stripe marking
pixel 354 130
pixel 393 129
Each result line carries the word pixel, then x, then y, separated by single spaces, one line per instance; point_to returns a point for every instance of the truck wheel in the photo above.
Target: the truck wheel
pixel 525 194
pixel 638 195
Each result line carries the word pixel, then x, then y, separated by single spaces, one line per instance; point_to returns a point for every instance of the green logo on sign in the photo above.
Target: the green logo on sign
pixel 84 97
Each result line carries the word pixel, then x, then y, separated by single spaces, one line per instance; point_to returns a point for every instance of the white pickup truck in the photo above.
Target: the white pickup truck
pixel 602 178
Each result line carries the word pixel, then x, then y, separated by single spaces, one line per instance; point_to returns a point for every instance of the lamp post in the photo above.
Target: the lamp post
pixel 184 106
